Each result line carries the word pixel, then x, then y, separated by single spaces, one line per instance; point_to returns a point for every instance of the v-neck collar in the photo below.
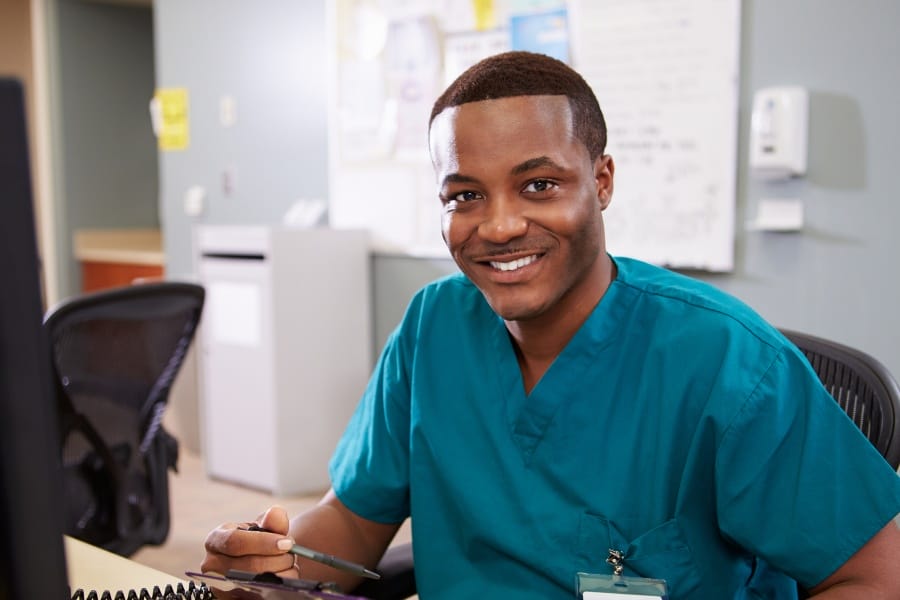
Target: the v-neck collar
pixel 530 415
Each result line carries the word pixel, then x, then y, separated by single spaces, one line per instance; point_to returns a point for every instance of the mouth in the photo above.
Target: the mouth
pixel 513 265
pixel 510 268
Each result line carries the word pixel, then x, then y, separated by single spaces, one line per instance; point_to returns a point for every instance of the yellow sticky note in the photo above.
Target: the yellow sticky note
pixel 174 123
pixel 485 17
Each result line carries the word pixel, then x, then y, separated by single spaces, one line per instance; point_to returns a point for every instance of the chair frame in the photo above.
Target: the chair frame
pixel 398 578
pixel 878 391
pixel 72 421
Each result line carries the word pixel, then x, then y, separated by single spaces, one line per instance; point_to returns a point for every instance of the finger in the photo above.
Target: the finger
pixel 293 572
pixel 276 520
pixel 228 540
pixel 250 563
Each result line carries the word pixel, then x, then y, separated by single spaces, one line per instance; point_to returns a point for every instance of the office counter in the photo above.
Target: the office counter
pixel 116 257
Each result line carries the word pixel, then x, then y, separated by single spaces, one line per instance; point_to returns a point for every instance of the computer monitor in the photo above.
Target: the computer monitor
pixel 32 557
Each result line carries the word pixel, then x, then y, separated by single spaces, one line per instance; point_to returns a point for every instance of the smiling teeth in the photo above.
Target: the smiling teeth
pixel 514 264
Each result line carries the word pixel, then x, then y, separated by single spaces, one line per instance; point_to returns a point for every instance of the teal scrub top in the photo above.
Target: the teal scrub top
pixel 676 426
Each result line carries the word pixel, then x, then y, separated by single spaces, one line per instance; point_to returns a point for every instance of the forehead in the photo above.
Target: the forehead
pixel 494 129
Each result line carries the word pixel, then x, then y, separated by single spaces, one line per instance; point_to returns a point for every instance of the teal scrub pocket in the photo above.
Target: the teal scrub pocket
pixel 660 553
pixel 595 586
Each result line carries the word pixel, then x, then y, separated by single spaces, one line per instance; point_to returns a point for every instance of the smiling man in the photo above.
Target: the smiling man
pixel 552 404
pixel 522 199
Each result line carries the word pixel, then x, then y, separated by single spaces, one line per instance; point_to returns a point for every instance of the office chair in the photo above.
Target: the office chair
pixel 398 578
pixel 862 386
pixel 115 354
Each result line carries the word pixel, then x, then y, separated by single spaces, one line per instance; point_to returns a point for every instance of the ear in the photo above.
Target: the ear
pixel 604 170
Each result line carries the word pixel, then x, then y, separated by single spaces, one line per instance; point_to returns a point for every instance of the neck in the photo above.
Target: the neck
pixel 540 340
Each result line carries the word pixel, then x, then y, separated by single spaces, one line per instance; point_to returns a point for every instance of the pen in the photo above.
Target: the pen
pixel 326 559
pixel 333 561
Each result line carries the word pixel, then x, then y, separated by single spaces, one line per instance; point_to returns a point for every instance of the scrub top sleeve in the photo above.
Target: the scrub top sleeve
pixel 797 483
pixel 370 467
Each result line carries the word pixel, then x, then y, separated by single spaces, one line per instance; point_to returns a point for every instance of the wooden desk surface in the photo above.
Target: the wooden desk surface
pixel 92 568
pixel 131 246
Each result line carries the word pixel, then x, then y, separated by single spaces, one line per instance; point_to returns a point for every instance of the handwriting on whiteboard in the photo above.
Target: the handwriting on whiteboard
pixel 666 75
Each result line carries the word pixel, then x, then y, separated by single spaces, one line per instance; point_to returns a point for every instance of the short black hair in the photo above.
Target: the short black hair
pixel 520 73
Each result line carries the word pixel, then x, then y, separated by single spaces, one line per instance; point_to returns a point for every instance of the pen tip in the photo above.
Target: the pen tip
pixel 372 574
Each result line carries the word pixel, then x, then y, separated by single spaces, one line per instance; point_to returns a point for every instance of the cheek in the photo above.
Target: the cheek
pixel 587 231
pixel 453 229
pixel 446 222
pixel 568 219
pixel 578 225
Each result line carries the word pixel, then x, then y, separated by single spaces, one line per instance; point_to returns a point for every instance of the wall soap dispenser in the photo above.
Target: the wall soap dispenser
pixel 778 132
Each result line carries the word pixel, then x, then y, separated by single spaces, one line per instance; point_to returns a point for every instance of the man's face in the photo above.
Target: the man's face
pixel 522 203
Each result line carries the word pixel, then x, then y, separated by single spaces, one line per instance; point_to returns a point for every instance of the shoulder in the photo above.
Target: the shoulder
pixel 698 305
pixel 711 331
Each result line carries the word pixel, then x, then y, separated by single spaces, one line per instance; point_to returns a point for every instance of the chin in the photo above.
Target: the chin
pixel 515 309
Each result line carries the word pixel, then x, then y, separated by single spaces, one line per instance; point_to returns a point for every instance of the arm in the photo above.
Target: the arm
pixel 871 573
pixel 339 531
pixel 328 527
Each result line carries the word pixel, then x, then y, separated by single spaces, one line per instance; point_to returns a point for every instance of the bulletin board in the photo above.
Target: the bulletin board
pixel 665 73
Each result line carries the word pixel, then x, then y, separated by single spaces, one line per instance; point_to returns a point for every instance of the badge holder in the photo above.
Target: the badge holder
pixel 599 586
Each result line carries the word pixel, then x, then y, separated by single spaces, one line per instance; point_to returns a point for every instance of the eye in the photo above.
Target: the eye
pixel 466 196
pixel 538 186
pixel 461 197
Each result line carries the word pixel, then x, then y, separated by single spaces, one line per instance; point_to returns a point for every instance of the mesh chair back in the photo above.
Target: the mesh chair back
pixel 862 386
pixel 115 356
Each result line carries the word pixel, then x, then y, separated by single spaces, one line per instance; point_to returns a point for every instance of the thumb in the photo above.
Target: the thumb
pixel 276 520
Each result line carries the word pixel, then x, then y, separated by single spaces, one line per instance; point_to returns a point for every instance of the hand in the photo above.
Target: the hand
pixel 231 546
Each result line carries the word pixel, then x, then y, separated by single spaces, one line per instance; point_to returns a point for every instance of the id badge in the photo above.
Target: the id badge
pixel 596 586
pixel 602 586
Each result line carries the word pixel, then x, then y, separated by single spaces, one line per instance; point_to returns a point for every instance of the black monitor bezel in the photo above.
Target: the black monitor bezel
pixel 32 555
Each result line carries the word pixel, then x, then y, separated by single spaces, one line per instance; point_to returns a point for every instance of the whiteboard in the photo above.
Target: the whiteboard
pixel 665 73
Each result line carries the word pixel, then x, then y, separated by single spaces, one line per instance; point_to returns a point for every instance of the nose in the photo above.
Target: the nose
pixel 503 220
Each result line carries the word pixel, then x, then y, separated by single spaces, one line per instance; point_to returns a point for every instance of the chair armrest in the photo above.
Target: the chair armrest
pixel 398 579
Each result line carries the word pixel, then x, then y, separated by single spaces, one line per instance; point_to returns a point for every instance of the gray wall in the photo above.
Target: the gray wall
pixel 268 56
pixel 102 79
pixel 836 278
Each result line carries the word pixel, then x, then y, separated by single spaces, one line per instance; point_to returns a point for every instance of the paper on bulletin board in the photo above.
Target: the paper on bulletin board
pixel 462 50
pixel 413 72
pixel 171 107
pixel 542 32
pixel 366 123
pixel 485 14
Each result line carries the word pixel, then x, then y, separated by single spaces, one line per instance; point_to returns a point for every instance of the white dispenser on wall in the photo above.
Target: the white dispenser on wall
pixel 778 132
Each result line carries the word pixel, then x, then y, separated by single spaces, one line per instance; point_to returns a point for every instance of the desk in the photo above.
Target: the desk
pixel 117 257
pixel 92 568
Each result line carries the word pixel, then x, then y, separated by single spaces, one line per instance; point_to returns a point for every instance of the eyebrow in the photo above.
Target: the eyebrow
pixel 523 167
pixel 458 178
pixel 535 163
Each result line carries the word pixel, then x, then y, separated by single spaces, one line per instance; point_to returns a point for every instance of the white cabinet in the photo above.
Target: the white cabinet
pixel 285 350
